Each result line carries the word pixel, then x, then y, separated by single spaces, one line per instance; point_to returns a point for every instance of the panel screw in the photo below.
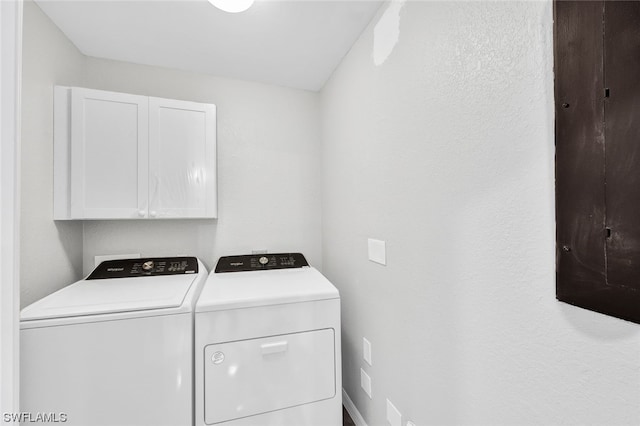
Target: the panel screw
pixel 566 248
pixel 565 105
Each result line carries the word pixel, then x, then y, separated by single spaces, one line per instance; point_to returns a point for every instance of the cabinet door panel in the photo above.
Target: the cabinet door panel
pixel 580 151
pixel 182 159
pixel 622 134
pixel 598 155
pixel 109 149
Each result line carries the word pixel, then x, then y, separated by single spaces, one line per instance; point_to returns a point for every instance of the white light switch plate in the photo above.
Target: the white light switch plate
pixel 366 351
pixel 377 251
pixel 365 382
pixel 97 260
pixel 393 415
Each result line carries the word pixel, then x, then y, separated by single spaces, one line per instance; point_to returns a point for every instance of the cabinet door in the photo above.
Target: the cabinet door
pixel 109 149
pixel 182 159
pixel 622 165
pixel 598 155
pixel 580 151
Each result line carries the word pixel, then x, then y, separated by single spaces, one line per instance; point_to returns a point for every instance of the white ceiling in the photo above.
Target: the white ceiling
pixel 295 43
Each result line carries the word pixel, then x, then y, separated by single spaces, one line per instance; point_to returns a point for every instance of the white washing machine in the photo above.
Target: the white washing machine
pixel 115 348
pixel 267 344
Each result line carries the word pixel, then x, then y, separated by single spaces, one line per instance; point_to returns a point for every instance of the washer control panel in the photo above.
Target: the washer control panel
pixel 260 262
pixel 127 268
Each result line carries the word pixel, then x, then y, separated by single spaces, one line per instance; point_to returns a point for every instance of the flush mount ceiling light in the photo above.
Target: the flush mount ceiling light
pixel 232 6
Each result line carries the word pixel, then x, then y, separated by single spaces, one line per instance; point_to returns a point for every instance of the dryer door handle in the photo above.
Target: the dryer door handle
pixel 275 347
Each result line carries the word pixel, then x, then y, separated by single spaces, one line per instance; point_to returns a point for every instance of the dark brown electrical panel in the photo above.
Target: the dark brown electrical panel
pixel 597 95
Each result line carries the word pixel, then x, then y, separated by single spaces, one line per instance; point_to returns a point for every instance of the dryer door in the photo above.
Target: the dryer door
pixel 250 377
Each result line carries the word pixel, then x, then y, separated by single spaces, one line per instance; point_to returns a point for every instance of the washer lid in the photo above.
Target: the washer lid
pixel 260 288
pixel 106 296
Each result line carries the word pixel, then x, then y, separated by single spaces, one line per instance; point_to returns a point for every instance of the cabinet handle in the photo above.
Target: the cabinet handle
pixel 153 196
pixel 141 213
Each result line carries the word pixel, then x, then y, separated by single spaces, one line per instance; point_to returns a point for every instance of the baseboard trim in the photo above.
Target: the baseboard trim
pixel 352 410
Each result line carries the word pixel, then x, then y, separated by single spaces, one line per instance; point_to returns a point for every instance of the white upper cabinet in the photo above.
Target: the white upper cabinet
pixel 109 150
pixel 122 156
pixel 182 156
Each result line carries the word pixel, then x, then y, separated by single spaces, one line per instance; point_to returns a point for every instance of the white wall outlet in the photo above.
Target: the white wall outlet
pixel 366 351
pixel 377 251
pixel 97 260
pixel 365 382
pixel 393 415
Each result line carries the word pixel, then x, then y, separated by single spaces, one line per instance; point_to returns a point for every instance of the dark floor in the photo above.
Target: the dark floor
pixel 346 418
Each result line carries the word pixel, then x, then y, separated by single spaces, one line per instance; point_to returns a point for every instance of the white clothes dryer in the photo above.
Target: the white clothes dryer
pixel 268 344
pixel 115 348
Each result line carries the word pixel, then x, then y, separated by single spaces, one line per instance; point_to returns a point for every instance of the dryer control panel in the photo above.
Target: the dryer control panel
pixel 260 262
pixel 150 266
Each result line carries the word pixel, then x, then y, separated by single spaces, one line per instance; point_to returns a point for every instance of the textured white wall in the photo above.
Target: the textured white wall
pixel 51 252
pixel 441 144
pixel 268 169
